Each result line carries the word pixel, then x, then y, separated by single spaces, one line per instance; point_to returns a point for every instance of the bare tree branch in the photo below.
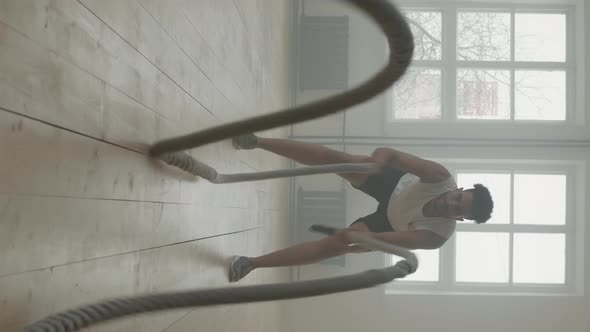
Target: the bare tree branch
pixel 423 30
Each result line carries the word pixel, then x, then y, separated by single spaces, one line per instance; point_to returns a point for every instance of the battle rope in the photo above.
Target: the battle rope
pixel 76 319
pixel 401 46
pixel 195 167
pixel 400 40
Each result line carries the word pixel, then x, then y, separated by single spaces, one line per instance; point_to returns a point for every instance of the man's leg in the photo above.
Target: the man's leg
pixel 312 154
pixel 299 254
pixel 307 252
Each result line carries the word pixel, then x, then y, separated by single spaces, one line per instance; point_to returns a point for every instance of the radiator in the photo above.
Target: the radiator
pixel 320 207
pixel 323 52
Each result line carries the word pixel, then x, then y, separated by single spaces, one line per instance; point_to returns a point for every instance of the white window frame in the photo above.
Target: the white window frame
pixel 449 63
pixel 573 229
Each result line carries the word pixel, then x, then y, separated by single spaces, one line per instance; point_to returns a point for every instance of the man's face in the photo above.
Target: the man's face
pixel 454 204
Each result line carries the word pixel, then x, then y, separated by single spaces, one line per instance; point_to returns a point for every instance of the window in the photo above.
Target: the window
pixel 418 94
pixel 505 63
pixel 526 247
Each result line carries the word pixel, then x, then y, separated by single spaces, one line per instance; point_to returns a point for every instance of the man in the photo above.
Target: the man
pixel 419 203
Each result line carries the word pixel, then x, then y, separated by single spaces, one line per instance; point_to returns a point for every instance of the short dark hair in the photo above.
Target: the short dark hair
pixel 481 209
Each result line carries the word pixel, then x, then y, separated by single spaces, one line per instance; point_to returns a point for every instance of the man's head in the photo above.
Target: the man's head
pixel 473 204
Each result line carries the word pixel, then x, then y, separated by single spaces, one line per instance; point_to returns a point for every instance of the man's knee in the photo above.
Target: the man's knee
pixel 352 158
pixel 336 244
pixel 359 227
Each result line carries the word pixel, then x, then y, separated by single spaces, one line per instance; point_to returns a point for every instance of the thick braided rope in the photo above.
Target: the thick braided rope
pixel 190 165
pixel 76 319
pixel 198 168
pixel 309 170
pixel 401 45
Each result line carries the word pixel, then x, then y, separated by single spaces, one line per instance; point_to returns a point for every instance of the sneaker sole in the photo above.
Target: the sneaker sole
pixel 232 274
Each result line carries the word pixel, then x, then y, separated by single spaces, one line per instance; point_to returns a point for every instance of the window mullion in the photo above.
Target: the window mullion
pixel 514 64
pixel 515 228
pixel 447 264
pixel 447 260
pixel 570 77
pixel 511 216
pixel 512 60
pixel 510 257
pixel 449 63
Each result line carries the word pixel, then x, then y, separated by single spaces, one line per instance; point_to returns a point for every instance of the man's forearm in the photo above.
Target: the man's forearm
pixel 418 239
pixel 401 239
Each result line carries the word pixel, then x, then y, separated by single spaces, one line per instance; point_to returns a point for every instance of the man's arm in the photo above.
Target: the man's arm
pixel 427 170
pixel 420 239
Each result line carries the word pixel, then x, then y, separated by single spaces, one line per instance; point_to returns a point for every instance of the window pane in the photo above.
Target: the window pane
pixel 539 258
pixel 483 94
pixel 482 257
pixel 499 186
pixel 417 95
pixel 427 30
pixel 540 95
pixel 483 36
pixel 539 199
pixel 540 37
pixel 428 261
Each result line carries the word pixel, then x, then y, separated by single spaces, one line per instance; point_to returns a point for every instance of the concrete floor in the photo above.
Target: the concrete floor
pixel 84 215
